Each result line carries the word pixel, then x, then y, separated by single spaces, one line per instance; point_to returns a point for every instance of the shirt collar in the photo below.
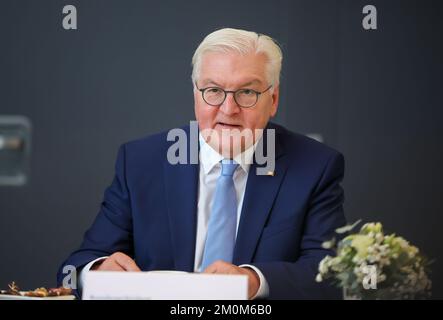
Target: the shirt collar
pixel 209 157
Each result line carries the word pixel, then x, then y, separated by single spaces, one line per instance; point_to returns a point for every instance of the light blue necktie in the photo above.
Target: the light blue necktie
pixel 220 239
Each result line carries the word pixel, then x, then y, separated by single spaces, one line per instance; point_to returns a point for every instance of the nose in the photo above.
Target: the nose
pixel 229 106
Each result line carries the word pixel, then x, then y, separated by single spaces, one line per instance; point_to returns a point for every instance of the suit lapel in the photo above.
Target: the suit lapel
pixel 181 193
pixel 260 194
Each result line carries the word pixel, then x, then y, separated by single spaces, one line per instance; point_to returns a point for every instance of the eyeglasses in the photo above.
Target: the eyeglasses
pixel 245 98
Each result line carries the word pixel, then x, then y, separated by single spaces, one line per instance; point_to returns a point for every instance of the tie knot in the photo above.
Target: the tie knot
pixel 228 167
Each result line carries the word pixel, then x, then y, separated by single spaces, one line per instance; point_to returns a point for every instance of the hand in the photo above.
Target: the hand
pixel 222 267
pixel 116 262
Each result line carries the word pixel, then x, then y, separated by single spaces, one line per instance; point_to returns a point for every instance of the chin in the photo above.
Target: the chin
pixel 230 150
pixel 228 141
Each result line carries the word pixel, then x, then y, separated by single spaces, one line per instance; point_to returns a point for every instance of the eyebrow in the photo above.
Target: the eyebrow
pixel 209 81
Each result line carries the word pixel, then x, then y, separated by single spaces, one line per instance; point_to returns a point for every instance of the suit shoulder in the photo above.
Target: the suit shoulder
pixel 298 144
pixel 156 140
pixel 149 146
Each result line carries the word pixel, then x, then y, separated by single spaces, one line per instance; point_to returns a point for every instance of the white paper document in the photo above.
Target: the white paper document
pixel 163 285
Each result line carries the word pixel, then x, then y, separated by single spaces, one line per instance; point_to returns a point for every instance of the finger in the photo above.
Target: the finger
pixel 126 263
pixel 211 269
pixel 215 267
pixel 221 267
pixel 114 267
pixel 110 265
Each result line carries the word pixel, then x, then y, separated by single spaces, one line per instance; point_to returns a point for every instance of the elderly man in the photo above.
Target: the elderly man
pixel 220 215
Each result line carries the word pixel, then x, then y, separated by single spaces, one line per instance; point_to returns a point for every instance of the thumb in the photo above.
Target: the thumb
pixel 127 263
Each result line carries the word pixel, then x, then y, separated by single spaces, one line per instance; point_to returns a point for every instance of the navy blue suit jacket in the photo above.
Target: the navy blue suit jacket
pixel 149 212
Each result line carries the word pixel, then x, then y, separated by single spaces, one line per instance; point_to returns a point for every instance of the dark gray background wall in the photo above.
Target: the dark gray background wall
pixel 374 95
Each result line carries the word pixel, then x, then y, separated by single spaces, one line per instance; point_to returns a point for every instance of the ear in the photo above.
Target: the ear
pixel 275 98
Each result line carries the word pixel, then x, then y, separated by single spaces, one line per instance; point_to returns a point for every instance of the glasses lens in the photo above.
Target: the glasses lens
pixel 214 96
pixel 246 97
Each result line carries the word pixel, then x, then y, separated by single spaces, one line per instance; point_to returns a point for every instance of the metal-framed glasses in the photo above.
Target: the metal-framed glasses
pixel 245 98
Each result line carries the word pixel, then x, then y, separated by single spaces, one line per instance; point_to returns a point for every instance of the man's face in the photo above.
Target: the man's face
pixel 233 71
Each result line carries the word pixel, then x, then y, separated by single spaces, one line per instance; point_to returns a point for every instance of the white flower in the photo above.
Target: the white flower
pixel 371 246
pixel 381 277
pixel 323 267
pixel 328 244
pixel 379 237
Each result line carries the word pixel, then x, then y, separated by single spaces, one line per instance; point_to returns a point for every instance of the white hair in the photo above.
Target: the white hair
pixel 235 40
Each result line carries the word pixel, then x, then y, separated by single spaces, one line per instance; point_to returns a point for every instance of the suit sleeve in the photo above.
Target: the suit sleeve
pixel 112 228
pixel 296 280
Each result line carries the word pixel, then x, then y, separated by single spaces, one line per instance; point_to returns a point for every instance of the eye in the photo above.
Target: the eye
pixel 247 92
pixel 213 90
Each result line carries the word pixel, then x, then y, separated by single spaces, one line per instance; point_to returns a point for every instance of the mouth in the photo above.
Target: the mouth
pixel 225 125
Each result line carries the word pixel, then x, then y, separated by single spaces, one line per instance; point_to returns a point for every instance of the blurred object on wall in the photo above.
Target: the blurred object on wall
pixel 15 147
pixel 316 136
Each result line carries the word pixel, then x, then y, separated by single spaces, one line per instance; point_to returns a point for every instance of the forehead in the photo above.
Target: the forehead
pixel 233 68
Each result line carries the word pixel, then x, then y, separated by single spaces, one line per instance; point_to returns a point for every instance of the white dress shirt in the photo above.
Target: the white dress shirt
pixel 210 169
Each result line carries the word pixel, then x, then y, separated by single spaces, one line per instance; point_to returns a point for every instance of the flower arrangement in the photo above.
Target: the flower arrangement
pixel 372 265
